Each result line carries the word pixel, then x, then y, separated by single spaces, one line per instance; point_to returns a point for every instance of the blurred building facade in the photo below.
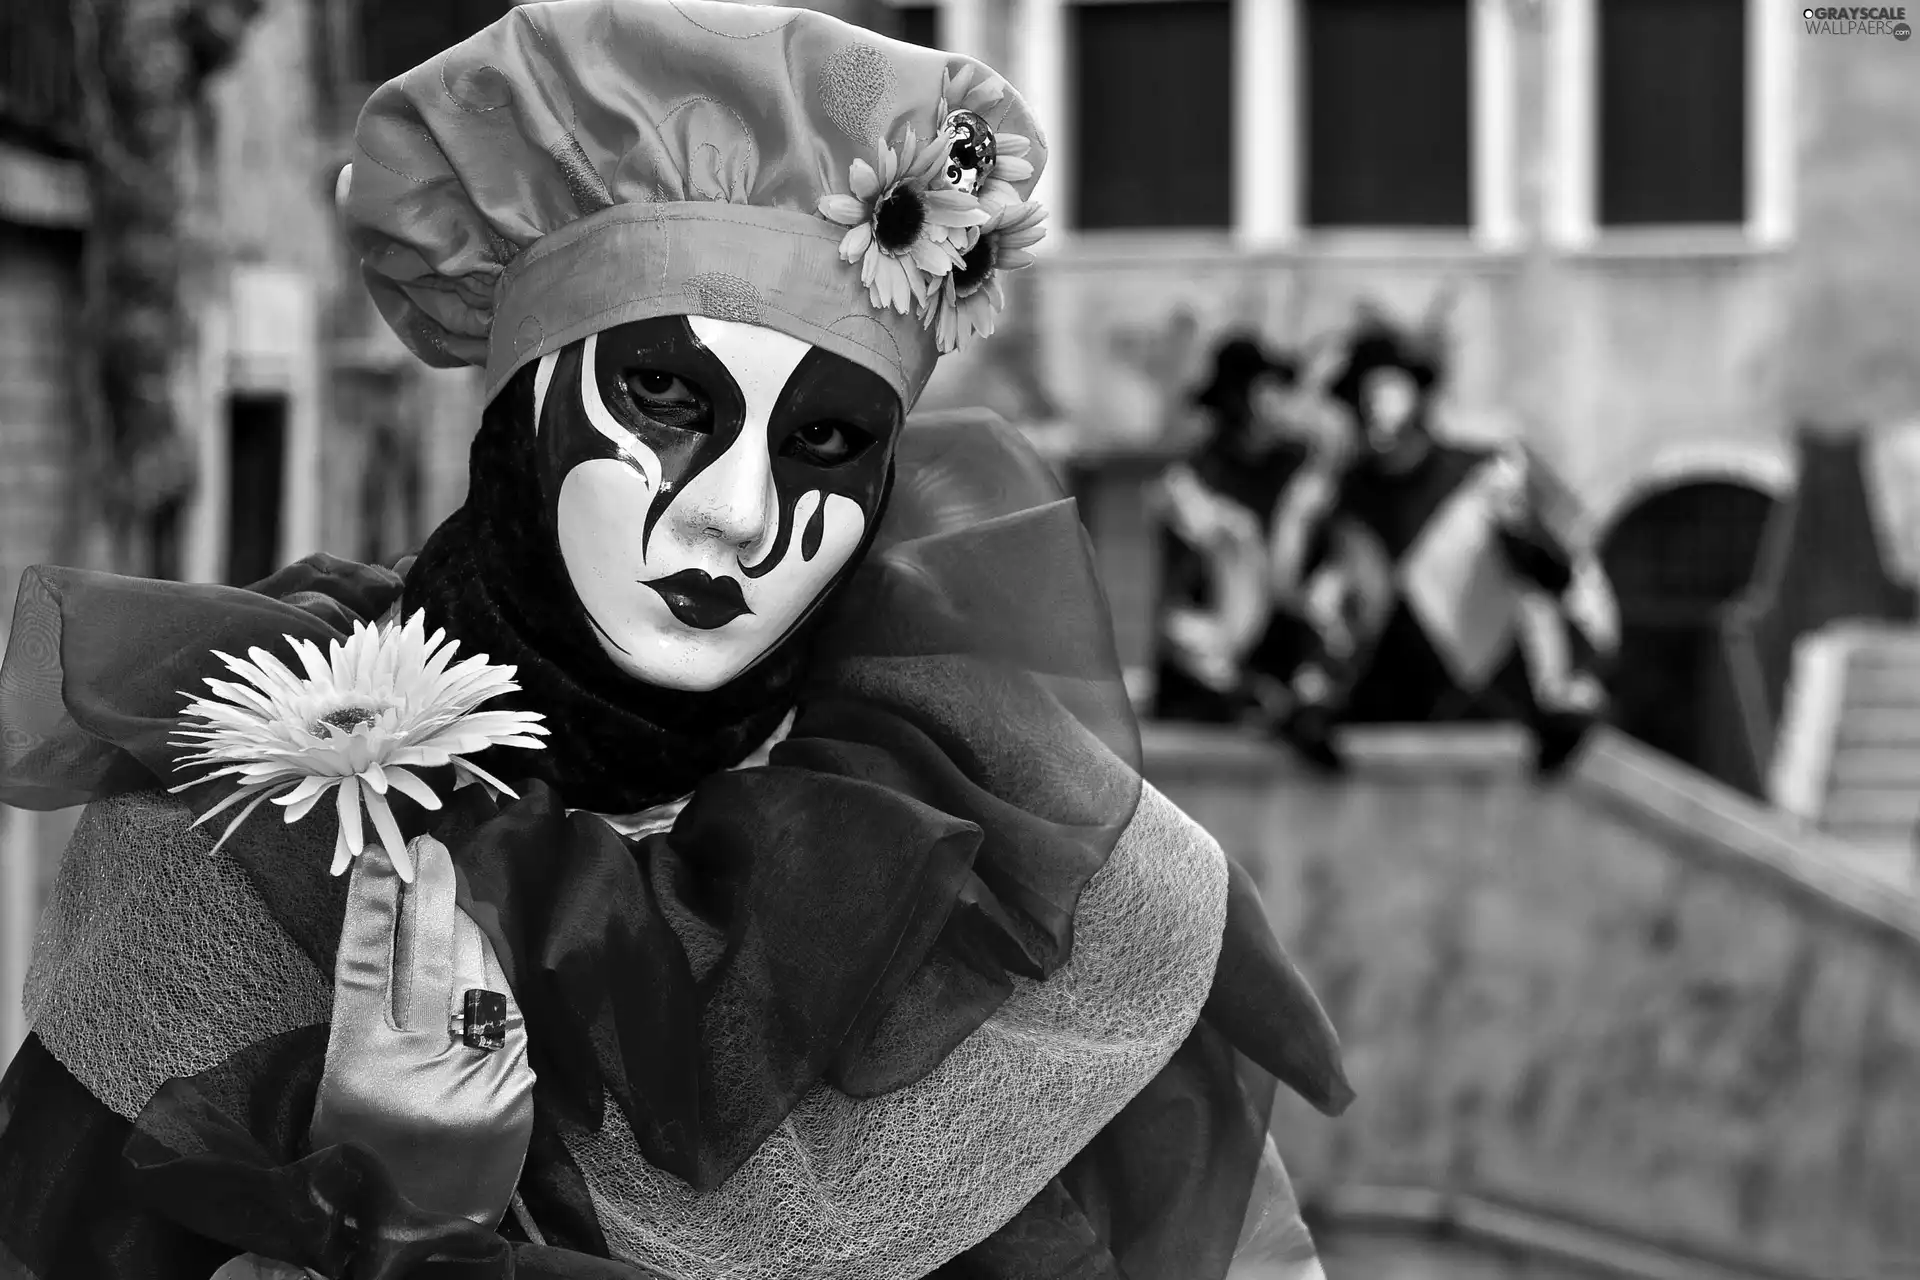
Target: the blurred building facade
pixel 1664 236
pixel 1666 229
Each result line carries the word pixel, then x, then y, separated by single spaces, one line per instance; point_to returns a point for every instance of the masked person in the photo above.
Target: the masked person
pixel 1242 520
pixel 806 915
pixel 1456 586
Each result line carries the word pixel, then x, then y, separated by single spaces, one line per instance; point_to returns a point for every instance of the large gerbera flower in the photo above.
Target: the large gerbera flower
pixel 377 706
pixel 907 224
pixel 962 93
pixel 969 300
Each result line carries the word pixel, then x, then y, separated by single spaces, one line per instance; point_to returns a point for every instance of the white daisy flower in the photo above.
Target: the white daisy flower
pixel 907 227
pixel 374 708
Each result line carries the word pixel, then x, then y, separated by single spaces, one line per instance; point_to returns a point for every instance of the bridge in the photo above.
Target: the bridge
pixel 1627 1024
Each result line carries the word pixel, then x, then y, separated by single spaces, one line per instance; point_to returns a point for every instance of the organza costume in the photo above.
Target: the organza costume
pixel 1243 527
pixel 1471 592
pixel 884 964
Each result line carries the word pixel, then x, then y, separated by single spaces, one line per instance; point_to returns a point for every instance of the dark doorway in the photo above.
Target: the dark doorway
pixel 390 495
pixel 1677 558
pixel 256 482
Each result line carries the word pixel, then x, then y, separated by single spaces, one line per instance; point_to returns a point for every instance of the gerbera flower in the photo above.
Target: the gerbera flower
pixel 377 706
pixel 907 224
pixel 960 93
pixel 969 300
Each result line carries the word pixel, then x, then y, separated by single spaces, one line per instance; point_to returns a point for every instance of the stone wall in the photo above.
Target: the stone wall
pixel 1855 282
pixel 1632 997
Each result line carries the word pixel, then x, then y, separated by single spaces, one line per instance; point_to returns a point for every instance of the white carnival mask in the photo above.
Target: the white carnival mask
pixel 709 482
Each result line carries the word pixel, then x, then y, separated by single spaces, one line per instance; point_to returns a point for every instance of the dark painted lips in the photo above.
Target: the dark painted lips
pixel 700 600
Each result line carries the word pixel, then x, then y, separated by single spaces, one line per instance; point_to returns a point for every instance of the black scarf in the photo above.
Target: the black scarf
pixel 493 577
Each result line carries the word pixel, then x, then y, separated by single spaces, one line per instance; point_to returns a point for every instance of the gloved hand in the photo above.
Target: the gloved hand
pixel 451 1122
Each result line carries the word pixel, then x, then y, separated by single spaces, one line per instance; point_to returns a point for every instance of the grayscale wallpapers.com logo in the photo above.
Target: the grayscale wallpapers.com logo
pixel 1858 20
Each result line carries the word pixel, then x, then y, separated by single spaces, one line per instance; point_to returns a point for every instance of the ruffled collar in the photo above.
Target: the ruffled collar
pixel 661 817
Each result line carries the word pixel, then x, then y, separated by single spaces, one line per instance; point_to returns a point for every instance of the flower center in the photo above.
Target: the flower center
pixel 898 219
pixel 347 719
pixel 975 268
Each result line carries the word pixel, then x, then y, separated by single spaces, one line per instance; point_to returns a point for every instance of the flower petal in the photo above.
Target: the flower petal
pixel 295 812
pixel 349 806
pixel 237 820
pixel 1012 168
pixel 954 209
pixel 468 766
pixel 845 210
pixel 856 242
pixel 390 837
pixel 932 257
pixel 864 181
pixel 409 784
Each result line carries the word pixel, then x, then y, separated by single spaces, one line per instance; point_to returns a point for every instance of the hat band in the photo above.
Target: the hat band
pixel 771 267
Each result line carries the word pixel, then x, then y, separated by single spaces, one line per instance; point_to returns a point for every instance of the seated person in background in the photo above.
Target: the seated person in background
pixel 1242 522
pixel 1452 588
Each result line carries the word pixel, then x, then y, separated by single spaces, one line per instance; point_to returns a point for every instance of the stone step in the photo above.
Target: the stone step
pixel 1867 685
pixel 1871 839
pixel 1891 645
pixel 1878 726
pixel 1862 767
pixel 1890 807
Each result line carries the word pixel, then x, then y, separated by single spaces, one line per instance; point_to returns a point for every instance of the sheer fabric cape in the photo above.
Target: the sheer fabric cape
pixel 963 710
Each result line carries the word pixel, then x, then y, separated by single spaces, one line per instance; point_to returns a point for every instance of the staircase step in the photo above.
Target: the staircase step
pixel 1872 768
pixel 1869 836
pixel 1891 847
pixel 1883 685
pixel 1878 726
pixel 1893 808
pixel 1891 648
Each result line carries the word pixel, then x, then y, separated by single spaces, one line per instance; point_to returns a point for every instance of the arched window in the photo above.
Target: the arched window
pixel 1688 548
pixel 1676 557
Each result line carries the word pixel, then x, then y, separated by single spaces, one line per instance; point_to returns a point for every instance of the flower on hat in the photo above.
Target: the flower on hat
pixel 969 300
pixel 907 225
pixel 367 713
pixel 960 93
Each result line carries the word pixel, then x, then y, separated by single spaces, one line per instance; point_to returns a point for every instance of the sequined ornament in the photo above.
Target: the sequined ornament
pixel 970 161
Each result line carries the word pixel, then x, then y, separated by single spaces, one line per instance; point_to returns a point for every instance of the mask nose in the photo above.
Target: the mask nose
pixel 733 500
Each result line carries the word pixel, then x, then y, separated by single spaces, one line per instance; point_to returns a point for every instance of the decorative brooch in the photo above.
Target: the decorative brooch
pixel 376 707
pixel 935 223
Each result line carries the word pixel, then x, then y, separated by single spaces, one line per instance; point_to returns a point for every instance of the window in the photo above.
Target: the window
pixel 1672 111
pixel 1152 113
pixel 1388 113
pixel 918 24
pixel 256 473
pixel 398 35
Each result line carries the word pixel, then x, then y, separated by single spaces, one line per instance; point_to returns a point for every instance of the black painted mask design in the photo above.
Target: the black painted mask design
pixel 708 482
